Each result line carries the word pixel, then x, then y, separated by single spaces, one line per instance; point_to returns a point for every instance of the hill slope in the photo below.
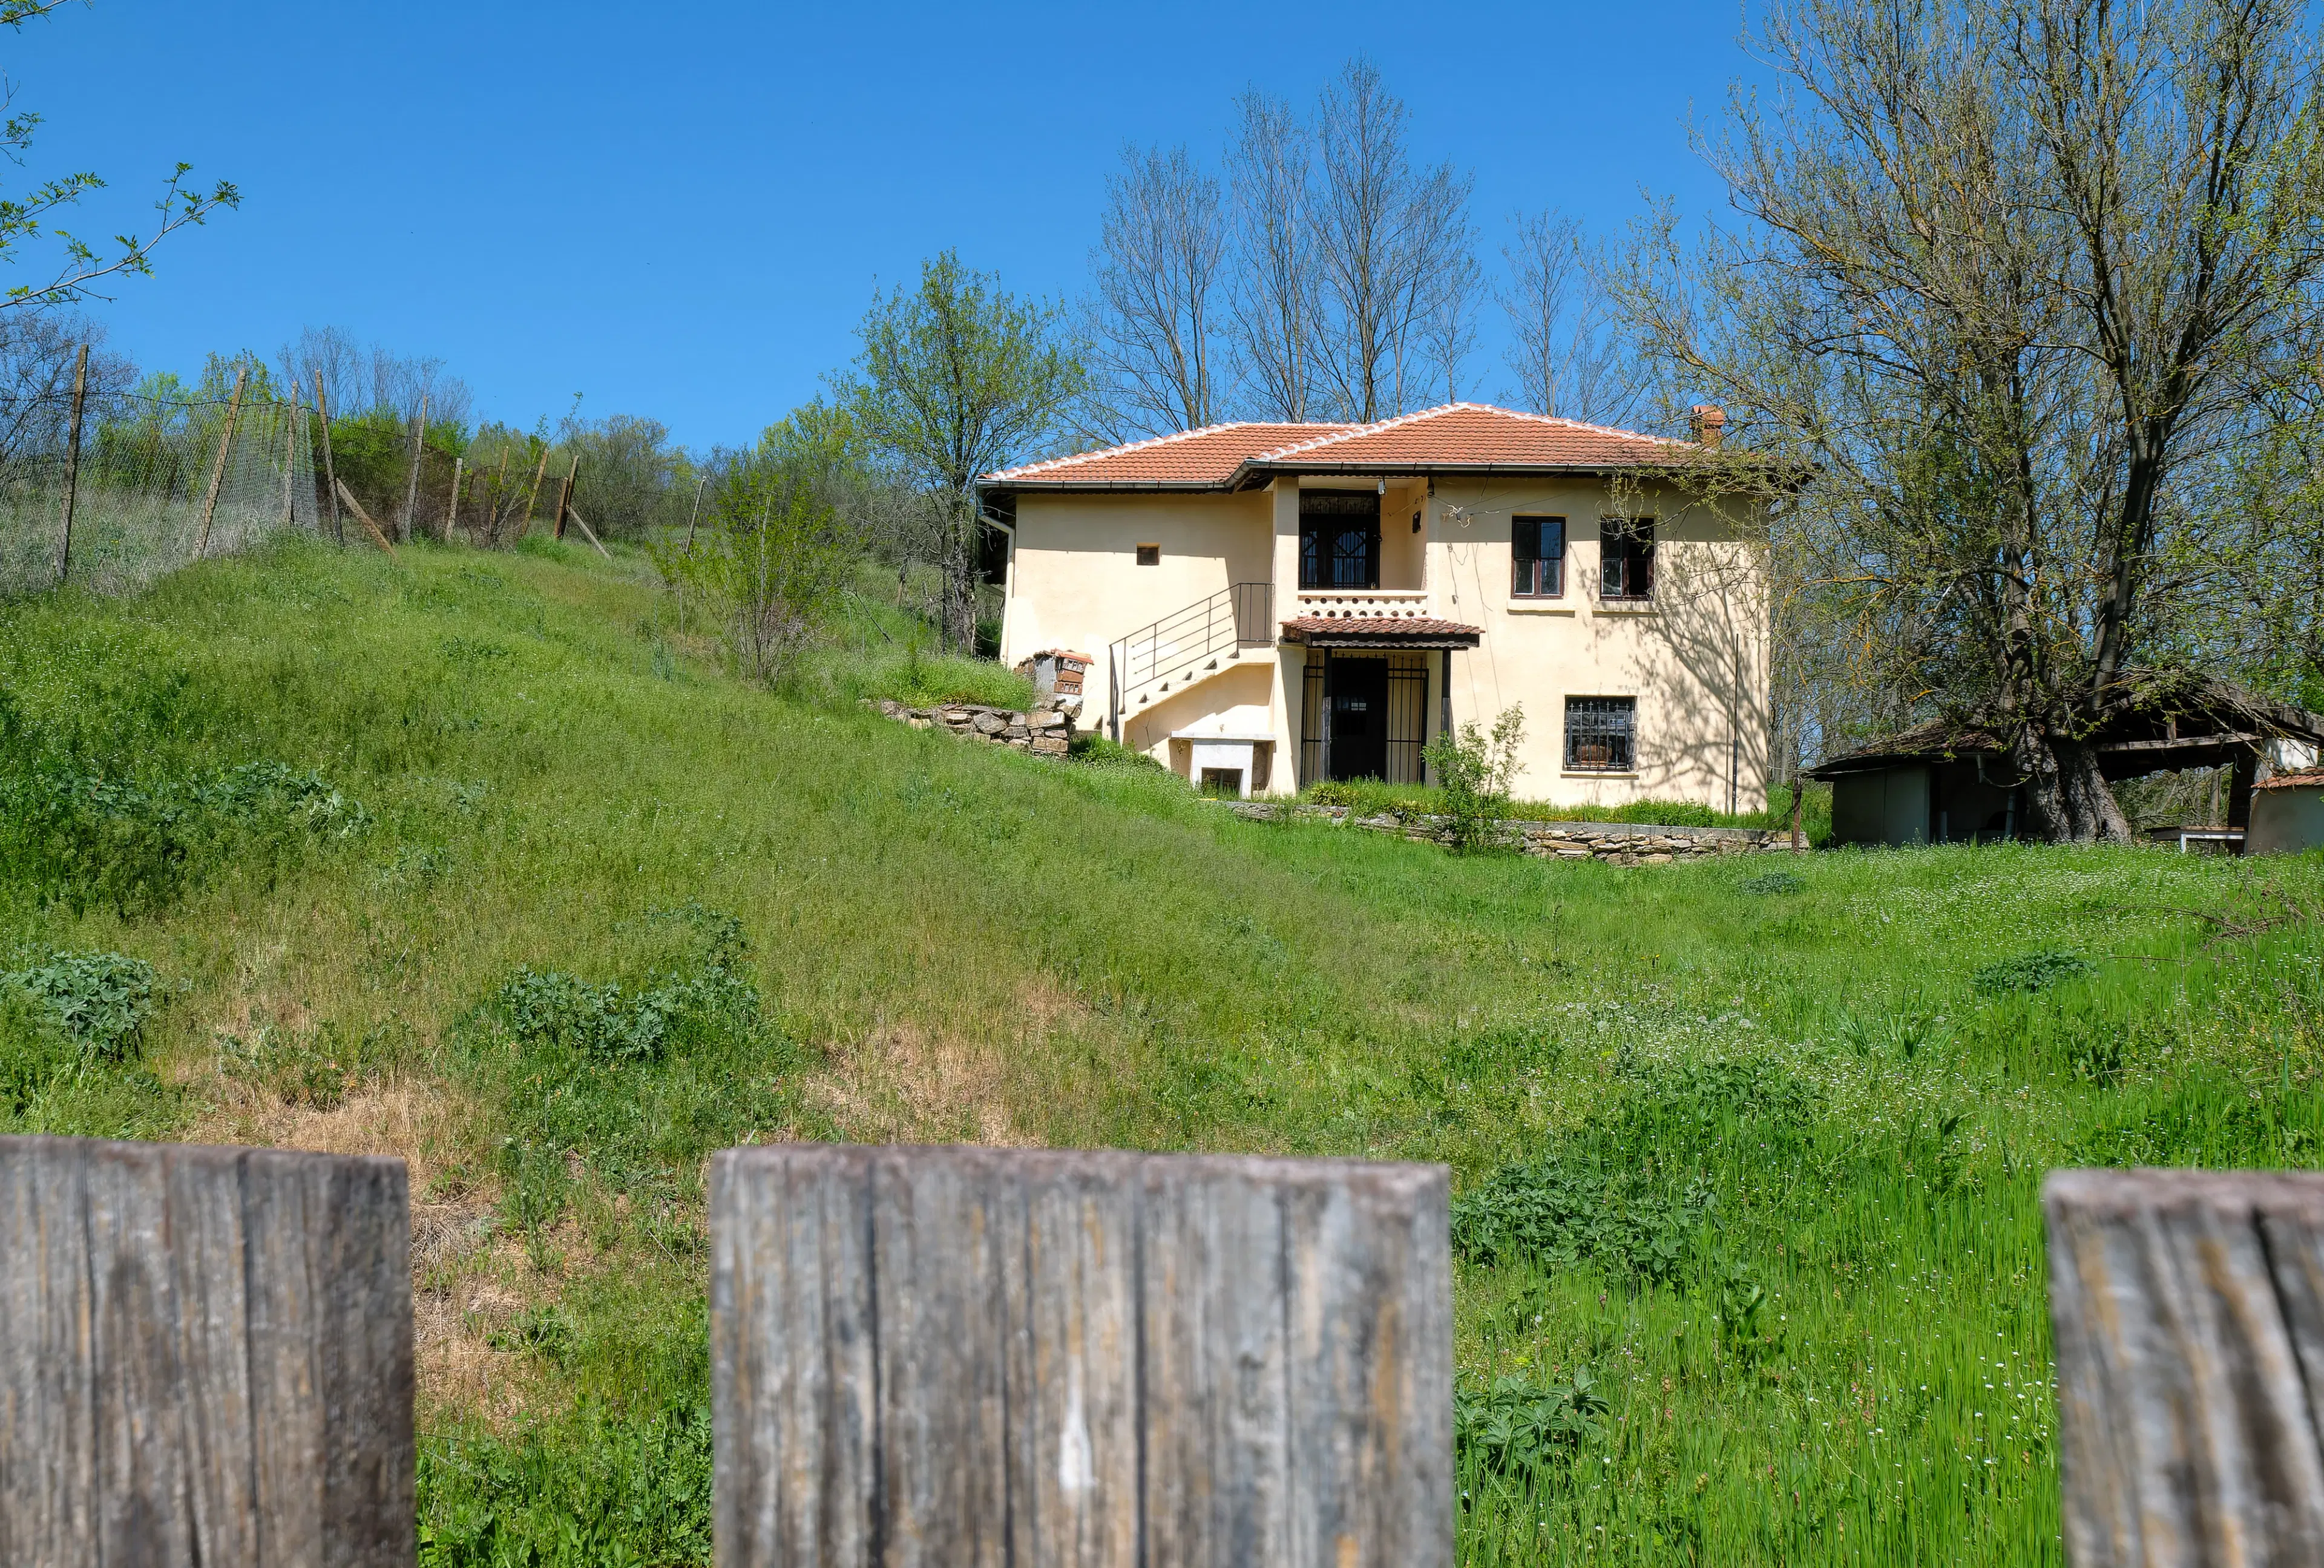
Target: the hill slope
pixel 457 857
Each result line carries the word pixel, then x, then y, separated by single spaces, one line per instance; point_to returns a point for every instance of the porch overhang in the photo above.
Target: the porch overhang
pixel 1410 632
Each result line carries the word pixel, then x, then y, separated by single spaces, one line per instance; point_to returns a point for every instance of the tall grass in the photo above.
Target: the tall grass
pixel 1757 1159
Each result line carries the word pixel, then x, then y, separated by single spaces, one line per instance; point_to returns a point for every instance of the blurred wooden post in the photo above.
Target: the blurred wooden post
pixel 330 468
pixel 564 498
pixel 72 462
pixel 411 485
pixel 2188 1315
pixel 289 452
pixel 937 1356
pixel 206 1359
pixel 532 496
pixel 217 469
pixel 378 534
pixel 452 512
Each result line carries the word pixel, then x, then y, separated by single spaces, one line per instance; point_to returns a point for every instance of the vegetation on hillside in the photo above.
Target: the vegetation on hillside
pixel 476 859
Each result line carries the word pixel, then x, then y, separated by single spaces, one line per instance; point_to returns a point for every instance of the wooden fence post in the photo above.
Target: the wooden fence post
pixel 452 510
pixel 937 1356
pixel 532 496
pixel 412 488
pixel 207 1357
pixel 330 468
pixel 72 463
pixel 2187 1308
pixel 217 469
pixel 564 498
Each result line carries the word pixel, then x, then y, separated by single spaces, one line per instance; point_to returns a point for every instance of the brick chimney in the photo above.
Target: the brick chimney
pixel 1706 424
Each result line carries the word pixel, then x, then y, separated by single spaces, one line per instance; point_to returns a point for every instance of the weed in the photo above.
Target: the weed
pixel 2030 971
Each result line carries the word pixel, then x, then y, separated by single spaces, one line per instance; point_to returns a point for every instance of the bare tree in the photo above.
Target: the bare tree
pixel 1157 264
pixel 2013 270
pixel 1448 330
pixel 327 357
pixel 1388 239
pixel 1564 352
pixel 1274 289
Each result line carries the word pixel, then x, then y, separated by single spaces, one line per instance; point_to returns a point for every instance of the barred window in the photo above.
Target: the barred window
pixel 1602 735
pixel 1338 538
pixel 1537 551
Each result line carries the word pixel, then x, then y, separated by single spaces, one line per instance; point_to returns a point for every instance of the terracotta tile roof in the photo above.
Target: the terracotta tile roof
pixel 1454 437
pixel 1304 628
pixel 1207 457
pixel 2313 779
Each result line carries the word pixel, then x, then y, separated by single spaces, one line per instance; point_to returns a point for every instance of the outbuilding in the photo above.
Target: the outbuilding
pixel 1941 783
pixel 2287 814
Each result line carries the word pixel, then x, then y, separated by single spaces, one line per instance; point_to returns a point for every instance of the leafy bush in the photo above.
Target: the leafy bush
pixel 1477 771
pixel 100 1000
pixel 1771 884
pixel 1569 1208
pixel 84 835
pixel 1516 1429
pixel 546 1009
pixel 2030 971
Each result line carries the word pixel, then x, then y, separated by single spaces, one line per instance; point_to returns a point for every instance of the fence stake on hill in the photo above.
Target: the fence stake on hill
pixel 378 534
pixel 532 496
pixel 330 469
pixel 590 534
pixel 217 469
pixel 208 1357
pixel 564 500
pixel 970 1355
pixel 290 411
pixel 2189 1311
pixel 412 488
pixel 452 512
pixel 72 462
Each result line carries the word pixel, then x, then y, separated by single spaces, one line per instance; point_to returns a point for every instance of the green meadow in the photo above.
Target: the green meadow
pixel 480 860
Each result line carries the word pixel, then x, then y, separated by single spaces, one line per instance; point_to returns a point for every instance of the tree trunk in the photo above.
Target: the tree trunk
pixel 2067 799
pixel 959 582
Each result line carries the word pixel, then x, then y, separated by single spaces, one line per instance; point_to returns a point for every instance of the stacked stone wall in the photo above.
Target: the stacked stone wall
pixel 1615 842
pixel 1043 731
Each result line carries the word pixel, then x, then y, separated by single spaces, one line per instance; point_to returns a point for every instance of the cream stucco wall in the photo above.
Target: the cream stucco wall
pixel 1695 660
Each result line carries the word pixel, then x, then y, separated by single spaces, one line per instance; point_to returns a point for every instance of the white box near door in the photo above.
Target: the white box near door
pixel 1241 755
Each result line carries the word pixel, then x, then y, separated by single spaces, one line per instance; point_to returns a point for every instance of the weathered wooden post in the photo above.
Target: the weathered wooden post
pixel 72 460
pixel 204 1357
pixel 217 469
pixel 958 1356
pixel 2189 1313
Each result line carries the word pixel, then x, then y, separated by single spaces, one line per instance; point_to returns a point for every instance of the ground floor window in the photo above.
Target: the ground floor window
pixel 1364 716
pixel 1602 735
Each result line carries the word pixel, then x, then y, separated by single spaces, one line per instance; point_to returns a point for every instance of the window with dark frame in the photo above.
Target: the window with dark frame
pixel 1338 538
pixel 1626 559
pixel 1602 735
pixel 1149 555
pixel 1537 554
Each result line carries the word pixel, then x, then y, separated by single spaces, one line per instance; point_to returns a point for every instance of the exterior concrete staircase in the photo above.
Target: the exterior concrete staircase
pixel 1187 647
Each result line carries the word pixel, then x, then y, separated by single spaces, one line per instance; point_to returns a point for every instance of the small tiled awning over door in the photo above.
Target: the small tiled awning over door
pixel 1364 697
pixel 1407 632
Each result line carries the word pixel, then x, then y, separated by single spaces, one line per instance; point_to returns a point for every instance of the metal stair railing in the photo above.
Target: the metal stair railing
pixel 1237 616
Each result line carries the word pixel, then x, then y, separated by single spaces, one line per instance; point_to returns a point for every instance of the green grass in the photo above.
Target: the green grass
pixel 1751 1268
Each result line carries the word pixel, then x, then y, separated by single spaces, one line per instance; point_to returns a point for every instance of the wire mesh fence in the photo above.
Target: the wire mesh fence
pixel 111 489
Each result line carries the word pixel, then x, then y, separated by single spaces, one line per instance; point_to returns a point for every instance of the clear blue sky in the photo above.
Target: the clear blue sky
pixel 681 209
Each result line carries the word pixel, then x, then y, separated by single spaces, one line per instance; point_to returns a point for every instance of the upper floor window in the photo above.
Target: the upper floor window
pixel 1338 538
pixel 1537 554
pixel 1626 558
pixel 1149 555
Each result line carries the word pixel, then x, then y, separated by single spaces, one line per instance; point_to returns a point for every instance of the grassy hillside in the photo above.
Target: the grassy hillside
pixel 461 857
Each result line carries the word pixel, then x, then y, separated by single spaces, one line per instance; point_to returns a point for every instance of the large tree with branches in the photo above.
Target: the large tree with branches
pixel 2010 275
pixel 957 377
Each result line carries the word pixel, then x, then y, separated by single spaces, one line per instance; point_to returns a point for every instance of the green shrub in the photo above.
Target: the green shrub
pixel 99 1001
pixel 1770 884
pixel 2030 971
pixel 1476 771
pixel 1518 1428
pixel 1569 1208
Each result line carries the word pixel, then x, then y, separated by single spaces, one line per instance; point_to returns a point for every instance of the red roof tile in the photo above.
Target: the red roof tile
pixel 1207 457
pixel 2312 779
pixel 1301 628
pixel 1454 437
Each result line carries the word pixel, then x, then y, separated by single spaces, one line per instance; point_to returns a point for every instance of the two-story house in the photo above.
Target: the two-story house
pixel 1267 604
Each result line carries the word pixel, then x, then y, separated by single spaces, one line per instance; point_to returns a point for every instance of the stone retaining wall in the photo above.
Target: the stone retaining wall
pixel 1623 843
pixel 1044 731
